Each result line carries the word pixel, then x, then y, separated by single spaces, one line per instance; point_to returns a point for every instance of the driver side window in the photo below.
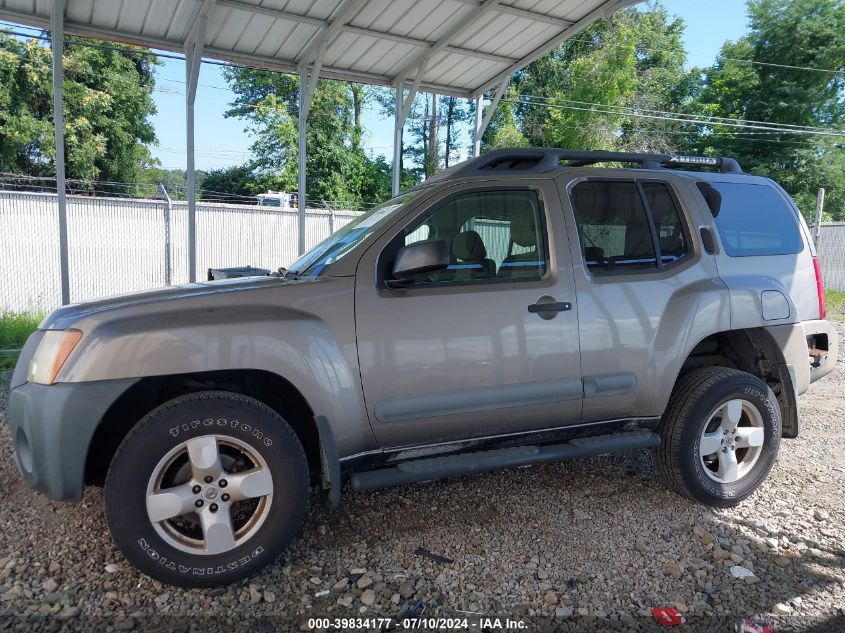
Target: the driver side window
pixel 490 235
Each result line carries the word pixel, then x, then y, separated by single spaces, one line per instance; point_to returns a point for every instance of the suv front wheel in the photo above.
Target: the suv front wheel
pixel 720 436
pixel 206 489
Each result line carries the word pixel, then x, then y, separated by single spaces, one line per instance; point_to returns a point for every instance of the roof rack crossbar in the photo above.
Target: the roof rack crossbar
pixel 540 160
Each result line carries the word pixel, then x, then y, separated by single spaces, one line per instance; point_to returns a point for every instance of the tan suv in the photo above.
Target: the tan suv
pixel 522 307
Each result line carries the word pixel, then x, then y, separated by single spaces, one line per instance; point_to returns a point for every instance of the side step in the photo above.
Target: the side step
pixel 483 461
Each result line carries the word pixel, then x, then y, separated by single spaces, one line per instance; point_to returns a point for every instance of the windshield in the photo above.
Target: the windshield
pixel 339 243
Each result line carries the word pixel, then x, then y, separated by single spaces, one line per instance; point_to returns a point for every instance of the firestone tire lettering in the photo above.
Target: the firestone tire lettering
pixel 173 423
pixel 222 422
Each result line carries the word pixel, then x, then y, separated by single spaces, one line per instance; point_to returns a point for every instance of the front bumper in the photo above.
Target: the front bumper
pixel 52 427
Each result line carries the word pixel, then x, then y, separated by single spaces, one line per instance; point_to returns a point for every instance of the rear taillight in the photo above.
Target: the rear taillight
pixel 819 288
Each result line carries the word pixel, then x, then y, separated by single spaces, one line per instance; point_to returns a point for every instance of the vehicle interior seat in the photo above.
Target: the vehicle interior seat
pixel 594 256
pixel 471 255
pixel 671 247
pixel 523 234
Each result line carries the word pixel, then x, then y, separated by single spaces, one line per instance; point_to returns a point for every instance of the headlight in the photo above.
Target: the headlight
pixel 52 352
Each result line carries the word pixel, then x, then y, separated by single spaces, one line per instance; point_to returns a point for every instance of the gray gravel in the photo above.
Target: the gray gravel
pixel 593 543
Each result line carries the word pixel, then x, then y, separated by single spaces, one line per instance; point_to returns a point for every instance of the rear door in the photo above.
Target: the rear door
pixel 459 354
pixel 640 279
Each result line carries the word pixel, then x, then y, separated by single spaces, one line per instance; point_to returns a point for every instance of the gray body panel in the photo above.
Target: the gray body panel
pixel 459 361
pixel 300 330
pixel 643 324
pixel 423 369
pixel 52 427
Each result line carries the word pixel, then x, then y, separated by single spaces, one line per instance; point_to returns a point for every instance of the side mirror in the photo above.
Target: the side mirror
pixel 417 259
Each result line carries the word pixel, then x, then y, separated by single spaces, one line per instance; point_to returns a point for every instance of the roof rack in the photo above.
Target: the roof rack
pixel 542 159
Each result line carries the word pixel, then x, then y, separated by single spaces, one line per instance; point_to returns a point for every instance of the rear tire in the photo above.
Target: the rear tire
pixel 720 436
pixel 206 489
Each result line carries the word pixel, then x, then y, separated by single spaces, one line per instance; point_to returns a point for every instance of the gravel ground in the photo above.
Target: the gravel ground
pixel 583 545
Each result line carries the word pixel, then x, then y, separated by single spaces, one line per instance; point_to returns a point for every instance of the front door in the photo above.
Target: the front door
pixel 475 350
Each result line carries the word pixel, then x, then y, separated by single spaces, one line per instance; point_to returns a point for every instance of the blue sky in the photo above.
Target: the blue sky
pixel 221 142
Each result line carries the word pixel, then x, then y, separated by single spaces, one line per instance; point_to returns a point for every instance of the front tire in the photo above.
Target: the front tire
pixel 206 489
pixel 720 436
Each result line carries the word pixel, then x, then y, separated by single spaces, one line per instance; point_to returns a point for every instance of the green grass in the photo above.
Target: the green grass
pixel 835 300
pixel 15 327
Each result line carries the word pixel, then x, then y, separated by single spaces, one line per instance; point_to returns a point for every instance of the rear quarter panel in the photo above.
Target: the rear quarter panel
pixel 747 278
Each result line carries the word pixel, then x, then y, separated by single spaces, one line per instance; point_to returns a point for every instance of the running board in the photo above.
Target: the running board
pixel 483 461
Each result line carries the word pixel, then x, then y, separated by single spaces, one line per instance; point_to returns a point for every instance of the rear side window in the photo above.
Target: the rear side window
pixel 671 236
pixel 752 219
pixel 622 227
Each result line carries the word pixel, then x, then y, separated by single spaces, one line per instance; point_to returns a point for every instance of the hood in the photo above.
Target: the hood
pixel 67 315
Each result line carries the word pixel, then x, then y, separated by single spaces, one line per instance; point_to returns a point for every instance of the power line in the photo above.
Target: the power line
pixel 708 117
pixel 677 117
pixel 733 59
pixel 262 106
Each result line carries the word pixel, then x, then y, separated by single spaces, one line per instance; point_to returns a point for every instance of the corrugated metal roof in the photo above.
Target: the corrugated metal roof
pixel 463 46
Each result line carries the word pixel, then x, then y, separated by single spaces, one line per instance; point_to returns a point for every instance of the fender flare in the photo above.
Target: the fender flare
pixel 329 463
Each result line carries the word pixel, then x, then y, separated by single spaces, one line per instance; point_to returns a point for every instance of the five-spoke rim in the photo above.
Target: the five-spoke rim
pixel 732 441
pixel 209 494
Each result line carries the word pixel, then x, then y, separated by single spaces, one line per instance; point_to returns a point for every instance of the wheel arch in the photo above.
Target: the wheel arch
pixel 755 351
pixel 145 395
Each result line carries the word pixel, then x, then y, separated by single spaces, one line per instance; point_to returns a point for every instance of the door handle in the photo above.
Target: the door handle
pixel 558 306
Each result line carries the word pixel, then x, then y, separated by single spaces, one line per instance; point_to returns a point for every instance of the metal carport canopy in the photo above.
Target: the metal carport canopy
pixel 452 47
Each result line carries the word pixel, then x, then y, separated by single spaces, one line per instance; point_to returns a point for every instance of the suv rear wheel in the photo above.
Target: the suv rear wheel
pixel 720 436
pixel 206 489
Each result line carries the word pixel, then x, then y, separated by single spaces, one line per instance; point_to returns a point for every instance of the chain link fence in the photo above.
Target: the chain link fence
pixel 119 245
pixel 830 247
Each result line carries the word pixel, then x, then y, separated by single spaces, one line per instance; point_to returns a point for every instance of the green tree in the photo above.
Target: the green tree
pixel 338 172
pixel 454 111
pixel 107 101
pixel 785 37
pixel 580 95
pixel 505 130
pixel 237 185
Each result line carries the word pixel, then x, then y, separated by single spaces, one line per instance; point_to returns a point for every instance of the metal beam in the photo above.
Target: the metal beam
pixel 571 31
pixel 308 78
pixel 398 124
pixel 421 60
pixel 481 126
pixel 304 106
pixel 273 13
pixel 168 214
pixel 251 60
pixel 404 39
pixel 524 13
pixel 193 57
pixel 329 72
pixel 357 30
pixel 476 137
pixel 345 12
pixel 57 43
pixel 401 110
